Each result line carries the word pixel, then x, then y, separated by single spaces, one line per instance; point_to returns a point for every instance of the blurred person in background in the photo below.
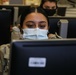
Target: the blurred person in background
pixel 49 6
pixel 5 2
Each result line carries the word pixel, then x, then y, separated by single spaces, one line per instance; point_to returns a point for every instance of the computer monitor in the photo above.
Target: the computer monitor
pixel 61 11
pixel 54 27
pixel 43 57
pixel 22 9
pixel 9 7
pixel 5 22
pixel 16 11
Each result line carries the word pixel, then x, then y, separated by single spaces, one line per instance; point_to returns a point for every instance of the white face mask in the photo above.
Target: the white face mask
pixel 35 33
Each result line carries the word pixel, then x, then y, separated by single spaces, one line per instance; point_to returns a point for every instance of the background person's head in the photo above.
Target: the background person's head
pixel 49 6
pixel 5 2
pixel 34 23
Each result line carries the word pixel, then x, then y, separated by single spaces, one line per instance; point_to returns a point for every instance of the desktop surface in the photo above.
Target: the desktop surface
pixel 49 57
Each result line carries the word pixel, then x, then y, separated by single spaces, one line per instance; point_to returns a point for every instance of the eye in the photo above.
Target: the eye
pixel 42 26
pixel 30 25
pixel 53 7
pixel 47 7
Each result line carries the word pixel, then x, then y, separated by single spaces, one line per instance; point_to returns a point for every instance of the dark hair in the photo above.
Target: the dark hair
pixel 30 10
pixel 43 1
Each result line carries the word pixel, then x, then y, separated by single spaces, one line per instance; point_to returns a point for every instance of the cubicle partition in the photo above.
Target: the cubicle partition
pixel 54 27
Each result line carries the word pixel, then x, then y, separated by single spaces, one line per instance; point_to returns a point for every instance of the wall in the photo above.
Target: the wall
pixel 16 1
pixel 21 1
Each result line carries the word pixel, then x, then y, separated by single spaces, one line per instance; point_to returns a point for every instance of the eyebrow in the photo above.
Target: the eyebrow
pixel 34 22
pixel 42 22
pixel 30 21
pixel 53 6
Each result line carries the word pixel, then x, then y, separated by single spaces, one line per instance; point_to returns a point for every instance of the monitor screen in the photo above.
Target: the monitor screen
pixel 22 9
pixel 49 57
pixel 5 21
pixel 61 11
pixel 8 7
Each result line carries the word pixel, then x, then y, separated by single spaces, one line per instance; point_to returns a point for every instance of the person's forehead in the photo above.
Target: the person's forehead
pixel 35 16
pixel 48 3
